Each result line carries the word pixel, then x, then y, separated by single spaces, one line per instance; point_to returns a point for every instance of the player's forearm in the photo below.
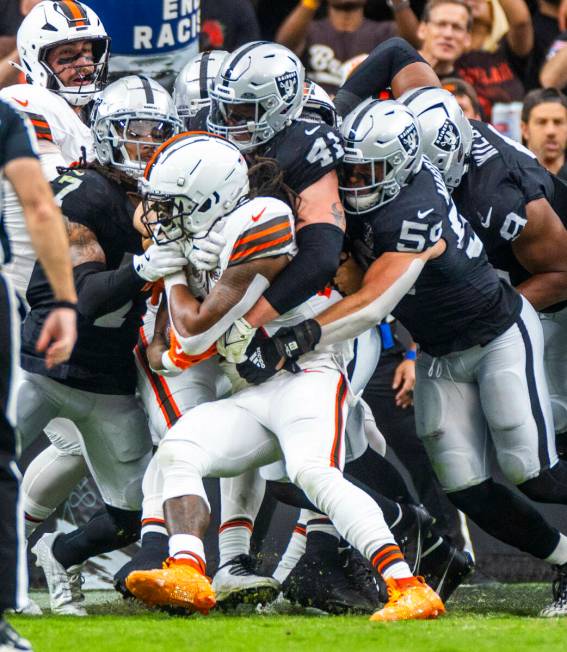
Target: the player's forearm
pixel 393 63
pixel 406 22
pixel 293 30
pixel 520 35
pixel 545 289
pixel 554 72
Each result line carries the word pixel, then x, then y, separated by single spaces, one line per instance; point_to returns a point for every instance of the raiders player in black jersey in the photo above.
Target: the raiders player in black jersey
pixel 96 387
pixel 482 346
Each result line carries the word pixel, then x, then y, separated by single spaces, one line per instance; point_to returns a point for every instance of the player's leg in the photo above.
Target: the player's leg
pixel 215 439
pixel 555 359
pixel 13 567
pixel 311 436
pixel 51 476
pixel 117 448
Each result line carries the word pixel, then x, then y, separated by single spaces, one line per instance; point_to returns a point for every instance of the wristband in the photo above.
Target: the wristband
pixel 312 5
pixel 65 304
pixel 169 367
pixel 410 354
pixel 178 278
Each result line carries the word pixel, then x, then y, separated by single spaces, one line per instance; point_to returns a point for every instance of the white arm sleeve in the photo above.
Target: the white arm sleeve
pixel 197 344
pixel 372 314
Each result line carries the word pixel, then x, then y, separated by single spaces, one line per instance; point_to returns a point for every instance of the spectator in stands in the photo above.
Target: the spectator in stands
pixel 227 24
pixel 466 96
pixel 326 45
pixel 553 73
pixel 544 128
pixel 462 38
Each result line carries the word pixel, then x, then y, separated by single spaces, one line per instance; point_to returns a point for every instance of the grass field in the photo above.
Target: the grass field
pixel 493 618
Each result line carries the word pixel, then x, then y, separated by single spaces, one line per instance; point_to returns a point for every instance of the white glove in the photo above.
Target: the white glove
pixel 233 344
pixel 206 251
pixel 159 261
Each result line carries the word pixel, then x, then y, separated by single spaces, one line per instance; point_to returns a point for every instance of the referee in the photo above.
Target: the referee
pixel 19 164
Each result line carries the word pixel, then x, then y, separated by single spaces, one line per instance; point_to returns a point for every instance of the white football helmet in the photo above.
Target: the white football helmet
pixel 447 133
pixel 257 93
pixel 192 86
pixel 133 111
pixel 193 181
pixel 383 151
pixel 317 100
pixel 53 23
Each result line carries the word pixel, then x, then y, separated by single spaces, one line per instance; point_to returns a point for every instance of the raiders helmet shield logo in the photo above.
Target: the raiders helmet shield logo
pixel 409 138
pixel 288 85
pixel 448 138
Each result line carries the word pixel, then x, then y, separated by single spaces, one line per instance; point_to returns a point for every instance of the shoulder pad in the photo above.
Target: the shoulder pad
pixel 259 228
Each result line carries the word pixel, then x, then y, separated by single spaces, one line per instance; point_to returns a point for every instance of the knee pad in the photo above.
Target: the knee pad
pixel 183 466
pixel 65 436
pixel 506 412
pixel 518 463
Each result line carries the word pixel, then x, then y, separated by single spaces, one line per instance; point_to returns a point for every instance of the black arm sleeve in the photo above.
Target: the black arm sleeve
pixel 101 291
pixel 375 73
pixel 314 266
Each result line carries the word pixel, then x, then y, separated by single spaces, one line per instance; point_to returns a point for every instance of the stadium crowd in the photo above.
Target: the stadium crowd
pixel 276 241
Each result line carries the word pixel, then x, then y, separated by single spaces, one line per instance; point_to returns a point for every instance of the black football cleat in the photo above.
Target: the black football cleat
pixel 450 573
pixel 10 640
pixel 321 583
pixel 363 578
pixel 412 538
pixel 559 605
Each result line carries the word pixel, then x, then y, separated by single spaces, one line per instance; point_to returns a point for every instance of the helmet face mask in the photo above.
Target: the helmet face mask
pixel 257 93
pixel 193 182
pixel 58 25
pixel 132 118
pixel 383 152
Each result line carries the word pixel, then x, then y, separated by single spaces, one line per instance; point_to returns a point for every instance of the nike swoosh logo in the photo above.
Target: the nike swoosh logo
pixel 21 102
pixel 179 350
pixel 422 214
pixel 485 222
pixel 310 132
pixel 255 218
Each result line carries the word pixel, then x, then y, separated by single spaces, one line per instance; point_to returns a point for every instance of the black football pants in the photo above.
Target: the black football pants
pixel 13 570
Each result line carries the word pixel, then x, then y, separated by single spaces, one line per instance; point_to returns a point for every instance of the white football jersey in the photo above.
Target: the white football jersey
pixel 61 136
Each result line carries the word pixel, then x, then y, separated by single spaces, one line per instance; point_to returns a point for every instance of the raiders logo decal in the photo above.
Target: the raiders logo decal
pixel 409 138
pixel 287 85
pixel 448 138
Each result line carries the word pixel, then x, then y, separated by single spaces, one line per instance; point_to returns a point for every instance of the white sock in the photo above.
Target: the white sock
pixel 293 552
pixel 559 555
pixel 234 538
pixel 187 546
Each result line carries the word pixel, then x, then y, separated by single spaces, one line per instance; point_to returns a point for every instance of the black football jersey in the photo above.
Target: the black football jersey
pixel 305 150
pixel 503 177
pixel 102 359
pixel 458 300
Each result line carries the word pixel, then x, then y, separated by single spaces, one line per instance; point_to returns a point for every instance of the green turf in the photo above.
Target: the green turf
pixel 497 618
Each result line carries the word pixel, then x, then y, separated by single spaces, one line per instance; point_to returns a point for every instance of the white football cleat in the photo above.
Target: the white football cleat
pixel 236 582
pixel 31 608
pixel 65 595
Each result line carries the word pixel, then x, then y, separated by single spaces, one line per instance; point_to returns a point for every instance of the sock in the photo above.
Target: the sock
pixel 389 561
pixel 559 555
pixel 234 538
pixel 156 525
pixel 436 552
pixel 189 547
pixel 295 549
pixel 31 523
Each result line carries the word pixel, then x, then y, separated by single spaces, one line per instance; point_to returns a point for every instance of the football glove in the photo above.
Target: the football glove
pixel 159 261
pixel 265 356
pixel 232 345
pixel 206 251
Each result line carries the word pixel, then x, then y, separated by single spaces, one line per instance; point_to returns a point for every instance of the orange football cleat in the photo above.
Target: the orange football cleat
pixel 177 584
pixel 409 599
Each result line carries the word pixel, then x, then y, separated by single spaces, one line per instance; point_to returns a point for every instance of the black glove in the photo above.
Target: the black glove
pixel 265 354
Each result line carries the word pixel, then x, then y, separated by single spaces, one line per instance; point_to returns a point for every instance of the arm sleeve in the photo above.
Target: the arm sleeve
pixel 101 291
pixel 376 73
pixel 319 249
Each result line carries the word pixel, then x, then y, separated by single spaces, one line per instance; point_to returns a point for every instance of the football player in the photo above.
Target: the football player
pixel 63 49
pixel 192 183
pixel 95 389
pixel 481 367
